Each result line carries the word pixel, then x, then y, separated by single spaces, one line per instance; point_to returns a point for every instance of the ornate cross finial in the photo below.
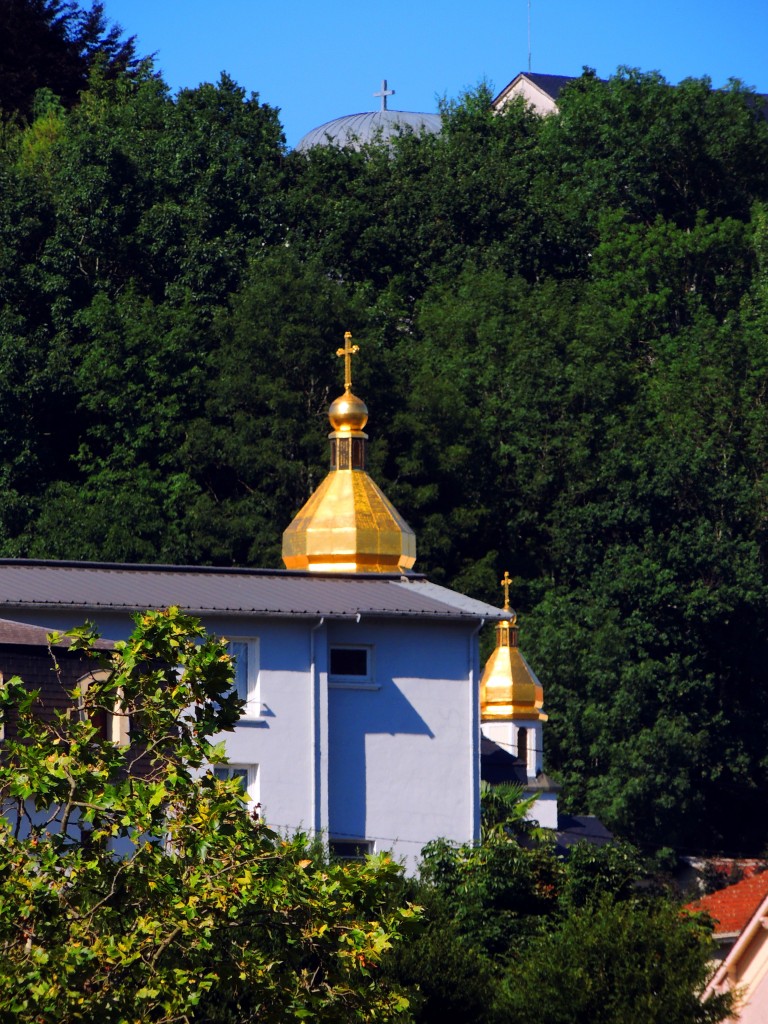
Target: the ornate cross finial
pixel 384 92
pixel 348 351
pixel 506 583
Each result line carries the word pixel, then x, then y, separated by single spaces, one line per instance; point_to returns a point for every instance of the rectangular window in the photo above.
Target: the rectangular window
pixel 247 775
pixel 246 655
pixel 350 849
pixel 351 665
pixel 113 726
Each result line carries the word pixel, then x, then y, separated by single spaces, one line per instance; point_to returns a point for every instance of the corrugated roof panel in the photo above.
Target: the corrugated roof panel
pixel 477 609
pixel 207 590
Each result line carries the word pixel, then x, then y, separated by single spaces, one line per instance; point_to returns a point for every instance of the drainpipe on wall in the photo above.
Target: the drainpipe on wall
pixel 474 717
pixel 316 736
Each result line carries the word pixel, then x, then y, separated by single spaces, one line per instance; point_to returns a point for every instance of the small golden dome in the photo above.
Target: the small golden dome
pixel 509 687
pixel 348 413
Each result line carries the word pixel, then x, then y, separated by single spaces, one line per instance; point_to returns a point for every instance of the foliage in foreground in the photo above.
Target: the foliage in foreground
pixel 135 886
pixel 516 932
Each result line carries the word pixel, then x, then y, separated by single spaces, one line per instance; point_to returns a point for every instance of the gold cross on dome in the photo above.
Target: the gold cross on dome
pixel 348 351
pixel 506 583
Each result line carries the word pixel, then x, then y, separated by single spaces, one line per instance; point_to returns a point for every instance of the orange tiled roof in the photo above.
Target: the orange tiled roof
pixel 731 908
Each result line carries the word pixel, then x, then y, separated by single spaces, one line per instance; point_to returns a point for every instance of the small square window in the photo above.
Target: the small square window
pixel 246 774
pixel 349 661
pixel 351 666
pixel 350 849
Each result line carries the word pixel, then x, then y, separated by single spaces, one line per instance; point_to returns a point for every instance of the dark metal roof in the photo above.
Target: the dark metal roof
pixel 498 765
pixel 25 635
pixel 581 828
pixel 356 130
pixel 552 85
pixel 88 585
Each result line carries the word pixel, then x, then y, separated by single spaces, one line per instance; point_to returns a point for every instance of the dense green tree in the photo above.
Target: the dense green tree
pixel 611 962
pixel 259 447
pixel 514 930
pixel 134 884
pixel 54 44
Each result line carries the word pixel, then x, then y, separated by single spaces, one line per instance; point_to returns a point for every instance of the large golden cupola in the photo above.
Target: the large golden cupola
pixel 509 688
pixel 348 525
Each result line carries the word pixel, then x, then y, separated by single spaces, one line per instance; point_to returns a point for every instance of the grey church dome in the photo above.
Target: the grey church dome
pixel 356 130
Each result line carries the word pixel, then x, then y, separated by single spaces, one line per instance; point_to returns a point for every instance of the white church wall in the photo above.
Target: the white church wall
pixel 544 810
pixel 403 752
pixel 393 759
pixel 280 741
pixel 507 734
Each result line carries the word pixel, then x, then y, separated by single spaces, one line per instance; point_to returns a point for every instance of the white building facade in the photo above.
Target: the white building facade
pixel 361 719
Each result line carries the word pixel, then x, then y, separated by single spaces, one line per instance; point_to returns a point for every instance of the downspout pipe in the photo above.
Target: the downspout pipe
pixel 315 738
pixel 474 717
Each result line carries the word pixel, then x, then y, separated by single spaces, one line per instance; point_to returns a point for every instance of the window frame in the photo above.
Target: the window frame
pixel 252 776
pixel 252 697
pixel 367 847
pixel 117 726
pixel 352 681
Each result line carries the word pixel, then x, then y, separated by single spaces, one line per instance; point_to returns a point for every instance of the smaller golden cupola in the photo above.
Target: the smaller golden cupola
pixel 348 524
pixel 509 688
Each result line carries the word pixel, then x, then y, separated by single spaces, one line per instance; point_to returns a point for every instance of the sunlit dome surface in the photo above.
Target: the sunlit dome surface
pixel 357 130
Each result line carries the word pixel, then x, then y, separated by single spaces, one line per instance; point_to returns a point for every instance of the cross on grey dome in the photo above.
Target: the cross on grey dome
pixel 357 130
pixel 384 92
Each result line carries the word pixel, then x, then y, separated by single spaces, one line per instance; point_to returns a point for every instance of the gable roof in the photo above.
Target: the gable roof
pixel 744 969
pixel 550 85
pixel 580 828
pixel 96 586
pixel 732 908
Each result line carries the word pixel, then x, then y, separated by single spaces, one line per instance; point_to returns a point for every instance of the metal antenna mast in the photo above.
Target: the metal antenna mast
pixel 529 37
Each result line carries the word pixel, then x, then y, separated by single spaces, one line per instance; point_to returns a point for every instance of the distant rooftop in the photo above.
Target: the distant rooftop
pixel 552 85
pixel 732 908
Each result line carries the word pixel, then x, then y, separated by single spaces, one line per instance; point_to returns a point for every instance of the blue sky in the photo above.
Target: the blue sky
pixel 316 61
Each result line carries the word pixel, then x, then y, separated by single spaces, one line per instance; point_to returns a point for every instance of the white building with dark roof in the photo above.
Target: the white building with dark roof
pixel 360 678
pixel 361 690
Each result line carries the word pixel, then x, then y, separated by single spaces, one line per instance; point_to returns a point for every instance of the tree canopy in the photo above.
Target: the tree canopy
pixel 514 931
pixel 53 45
pixel 137 885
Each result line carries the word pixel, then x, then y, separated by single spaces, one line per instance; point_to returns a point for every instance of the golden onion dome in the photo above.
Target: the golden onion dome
pixel 348 413
pixel 348 524
pixel 508 686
